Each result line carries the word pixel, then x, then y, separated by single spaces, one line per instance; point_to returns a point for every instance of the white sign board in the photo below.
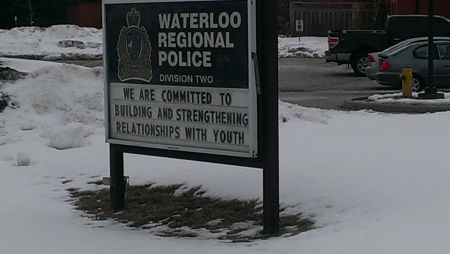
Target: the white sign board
pixel 180 75
pixel 299 25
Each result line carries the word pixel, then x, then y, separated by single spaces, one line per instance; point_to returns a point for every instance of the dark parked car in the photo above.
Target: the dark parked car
pixel 352 47
pixel 415 56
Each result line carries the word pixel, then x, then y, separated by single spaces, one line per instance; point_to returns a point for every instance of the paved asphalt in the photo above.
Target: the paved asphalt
pixel 315 83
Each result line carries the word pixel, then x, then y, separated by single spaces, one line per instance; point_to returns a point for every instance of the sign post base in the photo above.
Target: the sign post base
pixel 117 187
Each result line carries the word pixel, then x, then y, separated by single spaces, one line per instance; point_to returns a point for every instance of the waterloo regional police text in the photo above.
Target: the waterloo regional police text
pixel 177 32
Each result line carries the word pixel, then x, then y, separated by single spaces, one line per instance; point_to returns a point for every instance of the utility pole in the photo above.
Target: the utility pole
pixel 268 61
pixel 417 6
pixel 430 89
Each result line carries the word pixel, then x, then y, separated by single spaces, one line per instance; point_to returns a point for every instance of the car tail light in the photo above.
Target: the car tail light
pixel 371 58
pixel 384 64
pixel 332 42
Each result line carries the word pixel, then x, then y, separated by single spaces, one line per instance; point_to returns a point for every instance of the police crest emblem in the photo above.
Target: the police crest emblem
pixel 134 50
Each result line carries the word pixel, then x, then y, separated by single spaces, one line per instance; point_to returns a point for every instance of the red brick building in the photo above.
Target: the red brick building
pixel 85 13
pixel 441 7
pixel 319 16
pixel 360 14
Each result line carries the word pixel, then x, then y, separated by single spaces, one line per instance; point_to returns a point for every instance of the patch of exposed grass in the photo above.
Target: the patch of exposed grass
pixel 185 212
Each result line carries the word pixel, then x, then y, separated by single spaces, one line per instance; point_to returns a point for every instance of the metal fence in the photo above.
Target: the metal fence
pixel 319 17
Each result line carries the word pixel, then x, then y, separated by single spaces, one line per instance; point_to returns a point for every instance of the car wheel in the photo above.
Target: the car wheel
pixel 359 63
pixel 417 84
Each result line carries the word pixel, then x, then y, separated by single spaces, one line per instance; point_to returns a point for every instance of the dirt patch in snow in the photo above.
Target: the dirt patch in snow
pixel 3 101
pixel 7 73
pixel 178 211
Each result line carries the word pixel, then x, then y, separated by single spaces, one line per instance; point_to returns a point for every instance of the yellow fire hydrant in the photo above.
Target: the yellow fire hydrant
pixel 406 78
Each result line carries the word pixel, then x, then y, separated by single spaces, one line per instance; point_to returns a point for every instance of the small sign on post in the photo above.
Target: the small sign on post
pixel 299 25
pixel 299 28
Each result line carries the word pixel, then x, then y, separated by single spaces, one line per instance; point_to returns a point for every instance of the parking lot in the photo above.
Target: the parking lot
pixel 313 83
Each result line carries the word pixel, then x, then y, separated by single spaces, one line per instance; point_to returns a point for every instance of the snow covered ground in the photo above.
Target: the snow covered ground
pixel 375 183
pixel 396 98
pixel 306 46
pixel 51 43
pixel 55 42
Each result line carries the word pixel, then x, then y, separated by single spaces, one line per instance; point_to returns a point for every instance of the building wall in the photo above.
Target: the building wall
pixel 441 7
pixel 320 17
pixel 7 19
pixel 86 14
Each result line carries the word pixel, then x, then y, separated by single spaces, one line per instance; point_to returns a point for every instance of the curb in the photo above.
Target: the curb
pixel 394 107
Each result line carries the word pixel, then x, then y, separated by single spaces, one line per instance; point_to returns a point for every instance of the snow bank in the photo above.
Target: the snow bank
pixel 71 136
pixel 397 98
pixel 302 46
pixel 73 42
pixel 36 42
pixel 60 101
pixel 23 65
